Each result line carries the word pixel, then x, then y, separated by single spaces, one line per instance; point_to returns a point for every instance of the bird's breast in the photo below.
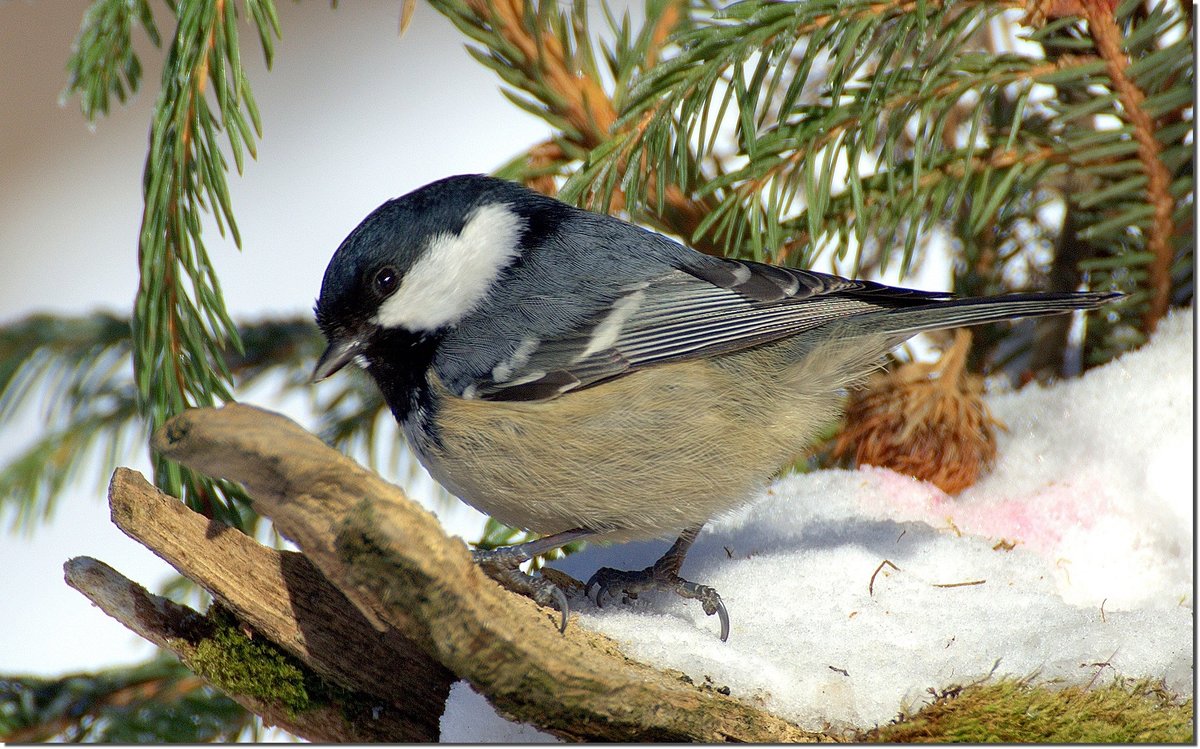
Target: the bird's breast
pixel 642 456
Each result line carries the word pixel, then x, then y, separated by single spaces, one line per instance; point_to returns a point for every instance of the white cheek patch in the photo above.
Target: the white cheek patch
pixel 454 273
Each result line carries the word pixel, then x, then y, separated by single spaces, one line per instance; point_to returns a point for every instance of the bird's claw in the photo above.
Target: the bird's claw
pixel 502 565
pixel 549 594
pixel 607 581
pixel 711 602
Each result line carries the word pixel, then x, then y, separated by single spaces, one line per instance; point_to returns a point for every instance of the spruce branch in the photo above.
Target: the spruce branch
pixel 547 56
pixel 1103 27
pixel 78 371
pixel 103 63
pixel 1131 189
pixel 156 701
pixel 181 329
pixel 973 181
pixel 880 80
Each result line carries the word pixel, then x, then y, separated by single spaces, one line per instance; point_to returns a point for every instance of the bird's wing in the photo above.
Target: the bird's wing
pixel 707 307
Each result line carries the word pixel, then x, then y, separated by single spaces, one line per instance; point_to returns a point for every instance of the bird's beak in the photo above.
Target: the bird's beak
pixel 337 355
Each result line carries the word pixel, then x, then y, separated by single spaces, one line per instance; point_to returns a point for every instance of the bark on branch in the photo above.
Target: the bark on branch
pixel 191 637
pixel 383 603
pixel 285 599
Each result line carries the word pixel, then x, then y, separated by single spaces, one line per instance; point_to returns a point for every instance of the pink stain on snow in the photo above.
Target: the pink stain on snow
pixel 1036 519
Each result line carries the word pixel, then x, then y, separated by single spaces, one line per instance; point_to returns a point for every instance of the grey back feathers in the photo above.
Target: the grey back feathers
pixel 617 299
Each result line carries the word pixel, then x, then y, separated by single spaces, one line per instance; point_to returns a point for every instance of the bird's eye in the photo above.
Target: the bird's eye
pixel 386 280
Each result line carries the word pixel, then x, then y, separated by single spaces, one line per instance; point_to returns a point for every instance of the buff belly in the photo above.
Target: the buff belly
pixel 646 455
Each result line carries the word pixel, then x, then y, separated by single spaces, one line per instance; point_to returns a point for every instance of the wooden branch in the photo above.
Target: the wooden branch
pixel 287 600
pixel 392 560
pixel 184 632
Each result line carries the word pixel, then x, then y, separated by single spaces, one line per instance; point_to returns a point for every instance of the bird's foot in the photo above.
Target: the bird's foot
pixel 503 566
pixel 662 575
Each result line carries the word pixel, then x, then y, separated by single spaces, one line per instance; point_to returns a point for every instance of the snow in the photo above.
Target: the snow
pixel 469 719
pixel 1072 561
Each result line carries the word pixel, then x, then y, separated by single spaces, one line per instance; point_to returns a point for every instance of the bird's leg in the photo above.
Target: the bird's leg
pixel 662 575
pixel 503 566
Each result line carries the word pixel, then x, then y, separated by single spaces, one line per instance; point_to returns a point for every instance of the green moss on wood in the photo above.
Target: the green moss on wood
pixel 1013 711
pixel 255 667
pixel 239 663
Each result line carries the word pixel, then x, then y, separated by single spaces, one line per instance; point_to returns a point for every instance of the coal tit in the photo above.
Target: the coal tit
pixel 577 376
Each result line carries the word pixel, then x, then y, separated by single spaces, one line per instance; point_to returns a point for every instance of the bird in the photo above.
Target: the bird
pixel 583 378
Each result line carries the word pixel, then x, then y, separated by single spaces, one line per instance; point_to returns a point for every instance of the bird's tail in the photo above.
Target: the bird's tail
pixel 899 324
pixel 843 353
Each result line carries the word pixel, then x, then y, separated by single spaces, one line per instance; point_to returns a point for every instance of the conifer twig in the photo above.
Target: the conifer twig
pixel 582 101
pixel 181 328
pixel 1107 37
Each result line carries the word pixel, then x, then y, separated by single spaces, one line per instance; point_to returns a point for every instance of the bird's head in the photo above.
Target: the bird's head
pixel 419 264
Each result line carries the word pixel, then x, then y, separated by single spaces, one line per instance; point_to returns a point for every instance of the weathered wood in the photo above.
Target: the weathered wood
pixel 415 597
pixel 183 631
pixel 283 597
pixel 393 560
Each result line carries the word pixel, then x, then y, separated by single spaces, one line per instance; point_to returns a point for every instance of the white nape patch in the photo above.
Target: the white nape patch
pixel 504 370
pixel 609 329
pixel 455 272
